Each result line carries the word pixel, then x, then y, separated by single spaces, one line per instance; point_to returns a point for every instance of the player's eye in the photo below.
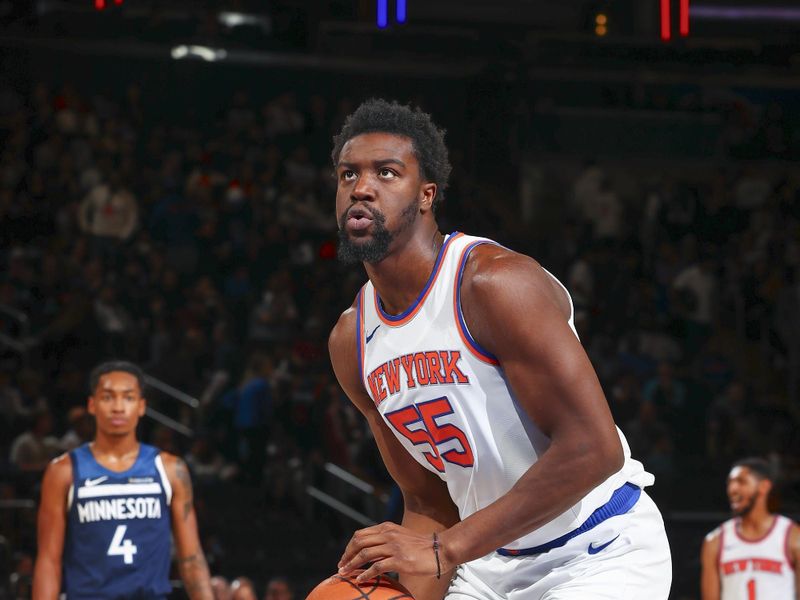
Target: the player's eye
pixel 347 175
pixel 386 173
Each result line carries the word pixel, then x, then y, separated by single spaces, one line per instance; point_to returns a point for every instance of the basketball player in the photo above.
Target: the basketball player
pixel 756 554
pixel 107 507
pixel 463 357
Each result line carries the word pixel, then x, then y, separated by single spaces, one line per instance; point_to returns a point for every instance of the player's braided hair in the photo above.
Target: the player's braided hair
pixel 427 140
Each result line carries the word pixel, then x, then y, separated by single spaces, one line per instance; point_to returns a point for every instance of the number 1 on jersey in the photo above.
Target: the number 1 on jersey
pixel 751 589
pixel 122 547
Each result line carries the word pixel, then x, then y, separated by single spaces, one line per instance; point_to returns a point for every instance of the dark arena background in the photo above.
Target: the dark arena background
pixel 166 196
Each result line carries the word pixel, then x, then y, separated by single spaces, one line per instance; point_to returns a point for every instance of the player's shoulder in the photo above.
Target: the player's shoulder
pixel 494 272
pixel 169 460
pixel 714 535
pixel 59 470
pixel 343 333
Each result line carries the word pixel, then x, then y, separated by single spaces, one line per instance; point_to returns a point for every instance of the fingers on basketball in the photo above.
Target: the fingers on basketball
pixel 347 588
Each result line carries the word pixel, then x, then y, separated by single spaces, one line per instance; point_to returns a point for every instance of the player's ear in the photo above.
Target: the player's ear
pixel 428 194
pixel 142 406
pixel 765 486
pixel 90 405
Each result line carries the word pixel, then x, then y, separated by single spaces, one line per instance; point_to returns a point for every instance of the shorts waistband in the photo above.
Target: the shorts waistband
pixel 622 500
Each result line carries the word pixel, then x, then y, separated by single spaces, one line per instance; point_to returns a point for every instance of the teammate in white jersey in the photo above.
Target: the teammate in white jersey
pixel 756 554
pixel 107 507
pixel 487 412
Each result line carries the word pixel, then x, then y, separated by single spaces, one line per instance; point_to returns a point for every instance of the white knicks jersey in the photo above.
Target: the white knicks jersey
pixel 448 402
pixel 757 569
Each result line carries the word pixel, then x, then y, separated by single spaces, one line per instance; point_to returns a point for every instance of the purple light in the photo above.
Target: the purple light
pixel 741 13
pixel 401 11
pixel 383 13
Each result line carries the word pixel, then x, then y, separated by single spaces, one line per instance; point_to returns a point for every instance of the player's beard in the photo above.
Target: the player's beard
pixel 376 248
pixel 743 512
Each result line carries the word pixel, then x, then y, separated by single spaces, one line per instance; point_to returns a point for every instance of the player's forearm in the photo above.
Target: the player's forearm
pixel 562 476
pixel 428 588
pixel 46 580
pixel 195 576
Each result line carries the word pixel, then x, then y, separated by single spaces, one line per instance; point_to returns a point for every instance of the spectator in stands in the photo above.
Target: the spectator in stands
pixel 109 213
pixel 81 428
pixel 221 588
pixel 207 464
pixel 243 589
pixel 34 448
pixel 250 406
pixel 279 588
pixel 695 289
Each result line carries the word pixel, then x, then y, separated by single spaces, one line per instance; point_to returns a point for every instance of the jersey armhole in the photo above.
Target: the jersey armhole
pixel 721 543
pixel 786 548
pixel 164 479
pixel 360 350
pixel 73 459
pixel 472 345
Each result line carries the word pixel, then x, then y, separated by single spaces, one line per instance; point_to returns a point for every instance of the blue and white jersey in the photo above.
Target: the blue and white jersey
pixel 118 538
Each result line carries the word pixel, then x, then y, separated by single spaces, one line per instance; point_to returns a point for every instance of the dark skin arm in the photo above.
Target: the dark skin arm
pixel 794 553
pixel 515 310
pixel 51 528
pixel 427 504
pixel 191 560
pixel 709 568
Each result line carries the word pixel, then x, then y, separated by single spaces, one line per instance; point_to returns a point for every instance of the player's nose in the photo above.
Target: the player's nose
pixel 363 190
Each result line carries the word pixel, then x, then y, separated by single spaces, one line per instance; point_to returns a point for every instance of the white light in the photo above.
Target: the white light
pixel 179 52
pixel 203 52
pixel 236 19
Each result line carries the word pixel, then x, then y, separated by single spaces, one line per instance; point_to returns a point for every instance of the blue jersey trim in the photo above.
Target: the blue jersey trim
pixel 359 339
pixel 424 290
pixel 482 352
pixel 622 500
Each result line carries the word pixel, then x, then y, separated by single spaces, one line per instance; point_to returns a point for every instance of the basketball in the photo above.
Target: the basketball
pixel 337 587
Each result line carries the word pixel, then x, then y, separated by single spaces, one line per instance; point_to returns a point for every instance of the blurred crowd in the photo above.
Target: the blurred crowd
pixel 204 249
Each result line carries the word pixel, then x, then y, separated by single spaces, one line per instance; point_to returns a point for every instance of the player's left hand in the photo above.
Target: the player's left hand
pixel 390 548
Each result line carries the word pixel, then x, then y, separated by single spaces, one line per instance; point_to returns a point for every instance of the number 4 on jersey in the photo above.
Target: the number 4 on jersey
pixel 432 433
pixel 122 547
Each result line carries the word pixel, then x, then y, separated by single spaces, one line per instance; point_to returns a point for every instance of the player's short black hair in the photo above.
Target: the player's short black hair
pixel 427 140
pixel 111 366
pixel 758 467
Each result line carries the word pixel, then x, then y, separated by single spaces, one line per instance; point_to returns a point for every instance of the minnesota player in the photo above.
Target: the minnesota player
pixel 756 554
pixel 463 357
pixel 107 507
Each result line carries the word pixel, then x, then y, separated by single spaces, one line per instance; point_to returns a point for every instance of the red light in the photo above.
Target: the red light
pixel 99 4
pixel 684 18
pixel 118 2
pixel 666 32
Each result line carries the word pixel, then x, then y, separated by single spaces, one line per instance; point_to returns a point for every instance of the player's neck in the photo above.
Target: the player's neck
pixel 115 446
pixel 756 523
pixel 401 276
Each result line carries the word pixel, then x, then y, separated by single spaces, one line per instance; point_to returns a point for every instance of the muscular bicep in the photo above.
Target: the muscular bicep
pixel 422 490
pixel 516 311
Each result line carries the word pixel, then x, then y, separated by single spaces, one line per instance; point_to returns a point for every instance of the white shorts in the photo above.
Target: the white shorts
pixel 634 566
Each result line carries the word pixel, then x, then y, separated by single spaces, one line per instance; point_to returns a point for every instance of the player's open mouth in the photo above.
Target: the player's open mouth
pixel 358 219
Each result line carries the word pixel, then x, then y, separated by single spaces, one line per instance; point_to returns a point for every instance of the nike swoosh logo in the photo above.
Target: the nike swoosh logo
pixel 595 549
pixel 369 337
pixel 93 482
